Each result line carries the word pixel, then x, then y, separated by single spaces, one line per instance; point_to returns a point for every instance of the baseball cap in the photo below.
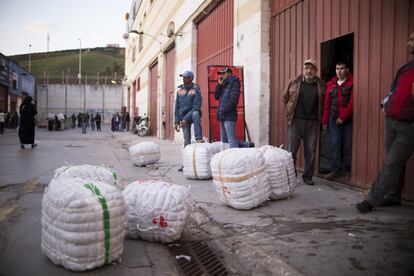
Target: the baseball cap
pixel 310 61
pixel 187 74
pixel 225 70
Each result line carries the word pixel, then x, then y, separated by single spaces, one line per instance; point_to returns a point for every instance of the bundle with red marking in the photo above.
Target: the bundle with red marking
pixel 157 211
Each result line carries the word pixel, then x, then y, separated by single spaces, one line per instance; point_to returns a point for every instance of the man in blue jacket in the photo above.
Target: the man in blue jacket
pixel 188 108
pixel 228 93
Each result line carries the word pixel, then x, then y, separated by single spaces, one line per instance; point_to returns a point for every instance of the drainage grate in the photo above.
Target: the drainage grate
pixel 203 260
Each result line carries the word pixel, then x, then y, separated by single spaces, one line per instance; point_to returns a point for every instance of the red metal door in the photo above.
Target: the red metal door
pixel 213 104
pixel 153 99
pixel 169 94
pixel 214 46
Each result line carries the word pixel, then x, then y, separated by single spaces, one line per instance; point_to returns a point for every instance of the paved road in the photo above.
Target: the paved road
pixel 317 232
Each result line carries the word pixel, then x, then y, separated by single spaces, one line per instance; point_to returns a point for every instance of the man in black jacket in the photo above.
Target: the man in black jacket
pixel 228 93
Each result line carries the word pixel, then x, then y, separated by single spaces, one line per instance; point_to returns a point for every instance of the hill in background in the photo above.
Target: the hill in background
pixel 106 61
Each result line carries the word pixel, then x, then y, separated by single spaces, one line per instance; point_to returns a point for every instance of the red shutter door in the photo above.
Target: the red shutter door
pixel 214 46
pixel 169 94
pixel 153 99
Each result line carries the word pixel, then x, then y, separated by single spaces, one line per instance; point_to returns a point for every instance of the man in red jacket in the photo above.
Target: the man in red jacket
pixel 337 115
pixel 398 107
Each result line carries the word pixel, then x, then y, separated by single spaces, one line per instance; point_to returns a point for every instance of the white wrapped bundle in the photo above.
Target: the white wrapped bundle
pixel 98 173
pixel 240 177
pixel 60 116
pixel 145 153
pixel 83 223
pixel 157 211
pixel 219 147
pixel 196 161
pixel 281 171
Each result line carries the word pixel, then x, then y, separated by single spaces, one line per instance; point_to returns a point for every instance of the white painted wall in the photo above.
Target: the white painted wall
pixel 97 98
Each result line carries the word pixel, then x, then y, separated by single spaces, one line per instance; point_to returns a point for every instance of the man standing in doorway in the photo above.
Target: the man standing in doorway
pixel 188 108
pixel 228 93
pixel 337 116
pixel 398 108
pixel 303 103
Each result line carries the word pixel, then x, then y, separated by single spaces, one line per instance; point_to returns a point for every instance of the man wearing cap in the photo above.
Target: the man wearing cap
pixel 228 93
pixel 188 108
pixel 303 102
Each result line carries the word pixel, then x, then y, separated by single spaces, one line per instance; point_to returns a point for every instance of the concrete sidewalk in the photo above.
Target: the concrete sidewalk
pixel 317 232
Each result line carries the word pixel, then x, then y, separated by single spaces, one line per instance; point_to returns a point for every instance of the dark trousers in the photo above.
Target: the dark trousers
pixel 308 132
pixel 399 144
pixel 1 128
pixel 340 137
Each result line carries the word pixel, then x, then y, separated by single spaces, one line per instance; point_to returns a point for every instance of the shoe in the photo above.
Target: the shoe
pixel 251 144
pixel 308 181
pixel 199 141
pixel 332 175
pixel 22 146
pixel 180 169
pixel 389 203
pixel 34 145
pixel 364 207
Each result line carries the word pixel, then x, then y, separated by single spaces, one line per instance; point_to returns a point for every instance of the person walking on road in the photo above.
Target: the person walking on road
pixel 98 122
pixel 27 122
pixel 337 116
pixel 93 122
pixel 398 108
pixel 303 102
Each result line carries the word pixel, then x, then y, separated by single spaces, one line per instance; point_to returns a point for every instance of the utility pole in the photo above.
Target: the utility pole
pixel 66 95
pixel 80 71
pixel 47 96
pixel 30 58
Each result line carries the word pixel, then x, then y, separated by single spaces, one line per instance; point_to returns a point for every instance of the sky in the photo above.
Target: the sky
pixel 27 22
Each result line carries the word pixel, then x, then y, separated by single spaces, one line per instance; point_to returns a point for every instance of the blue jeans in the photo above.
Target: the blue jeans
pixel 228 135
pixel 340 137
pixel 399 143
pixel 308 132
pixel 196 120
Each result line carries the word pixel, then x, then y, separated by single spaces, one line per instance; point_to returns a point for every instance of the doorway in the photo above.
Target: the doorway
pixel 332 51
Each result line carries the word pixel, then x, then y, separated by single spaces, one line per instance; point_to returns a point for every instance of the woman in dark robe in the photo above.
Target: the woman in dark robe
pixel 27 122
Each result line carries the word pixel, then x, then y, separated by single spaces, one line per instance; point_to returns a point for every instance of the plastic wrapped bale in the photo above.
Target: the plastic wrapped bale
pixel 83 223
pixel 98 173
pixel 281 171
pixel 240 177
pixel 196 160
pixel 157 211
pixel 145 153
pixel 219 147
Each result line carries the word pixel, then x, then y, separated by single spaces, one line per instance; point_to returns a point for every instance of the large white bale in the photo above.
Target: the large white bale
pixel 281 171
pixel 83 223
pixel 145 153
pixel 157 211
pixel 240 177
pixel 98 173
pixel 196 160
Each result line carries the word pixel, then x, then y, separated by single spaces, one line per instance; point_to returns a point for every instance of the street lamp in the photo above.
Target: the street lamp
pixel 30 58
pixel 135 33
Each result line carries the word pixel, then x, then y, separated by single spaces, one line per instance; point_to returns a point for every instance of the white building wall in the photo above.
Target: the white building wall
pixel 98 97
pixel 252 51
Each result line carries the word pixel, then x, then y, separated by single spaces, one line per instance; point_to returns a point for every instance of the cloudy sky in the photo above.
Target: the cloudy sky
pixel 27 22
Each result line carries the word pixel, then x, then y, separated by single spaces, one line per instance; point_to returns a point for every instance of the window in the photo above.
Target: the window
pixel 140 42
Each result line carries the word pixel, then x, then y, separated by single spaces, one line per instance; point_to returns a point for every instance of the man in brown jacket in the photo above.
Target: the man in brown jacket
pixel 303 102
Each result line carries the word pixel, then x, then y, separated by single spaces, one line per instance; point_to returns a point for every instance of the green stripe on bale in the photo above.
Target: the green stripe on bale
pixel 95 190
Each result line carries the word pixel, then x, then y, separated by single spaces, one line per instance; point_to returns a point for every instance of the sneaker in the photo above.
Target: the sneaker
pixel 34 145
pixel 180 169
pixel 22 146
pixel 389 203
pixel 251 144
pixel 199 140
pixel 332 175
pixel 308 181
pixel 364 207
